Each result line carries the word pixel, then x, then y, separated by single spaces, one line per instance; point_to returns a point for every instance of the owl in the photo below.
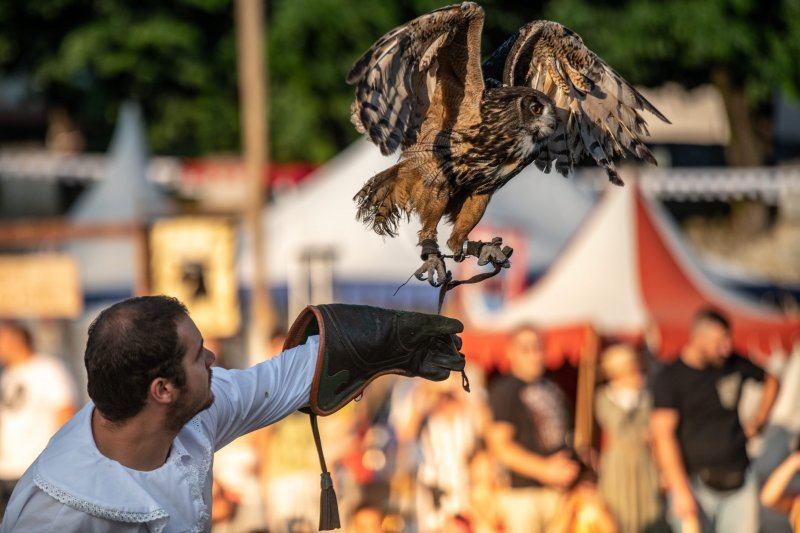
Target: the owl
pixel 465 129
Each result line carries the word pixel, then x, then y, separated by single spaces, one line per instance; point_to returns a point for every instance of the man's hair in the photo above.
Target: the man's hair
pixel 130 344
pixel 713 315
pixel 526 326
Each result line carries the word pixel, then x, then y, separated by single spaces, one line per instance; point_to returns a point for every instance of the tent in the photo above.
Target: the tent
pixel 625 270
pixel 123 196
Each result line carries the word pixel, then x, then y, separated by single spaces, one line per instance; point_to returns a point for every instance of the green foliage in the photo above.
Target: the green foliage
pixel 312 45
pixel 178 58
pixel 651 41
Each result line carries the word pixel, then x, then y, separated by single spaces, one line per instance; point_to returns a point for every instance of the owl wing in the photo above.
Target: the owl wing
pixel 425 74
pixel 599 112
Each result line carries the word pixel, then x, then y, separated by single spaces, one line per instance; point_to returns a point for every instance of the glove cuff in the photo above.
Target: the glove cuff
pixel 352 351
pixel 309 323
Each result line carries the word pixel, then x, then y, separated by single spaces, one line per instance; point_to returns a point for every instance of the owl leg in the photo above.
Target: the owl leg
pixel 464 220
pixel 433 269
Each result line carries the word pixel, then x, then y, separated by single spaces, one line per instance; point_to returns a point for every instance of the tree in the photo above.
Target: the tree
pixel 747 49
pixel 176 58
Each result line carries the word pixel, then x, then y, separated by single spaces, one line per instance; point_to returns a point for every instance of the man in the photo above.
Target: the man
pixel 37 395
pixel 699 442
pixel 138 457
pixel 529 437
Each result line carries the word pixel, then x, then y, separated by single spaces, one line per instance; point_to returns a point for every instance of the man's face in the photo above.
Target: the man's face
pixel 367 520
pixel 526 355
pixel 195 395
pixel 713 341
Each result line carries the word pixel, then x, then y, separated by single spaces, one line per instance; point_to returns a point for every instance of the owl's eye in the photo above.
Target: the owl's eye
pixel 537 108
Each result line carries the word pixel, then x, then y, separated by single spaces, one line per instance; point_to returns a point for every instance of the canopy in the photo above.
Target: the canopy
pixel 625 269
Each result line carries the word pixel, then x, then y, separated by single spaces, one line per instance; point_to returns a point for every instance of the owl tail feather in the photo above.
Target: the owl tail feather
pixel 377 202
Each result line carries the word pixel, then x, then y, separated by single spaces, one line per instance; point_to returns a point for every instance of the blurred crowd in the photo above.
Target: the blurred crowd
pixel 682 445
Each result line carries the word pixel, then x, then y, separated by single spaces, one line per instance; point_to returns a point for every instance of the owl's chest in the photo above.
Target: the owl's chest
pixel 491 163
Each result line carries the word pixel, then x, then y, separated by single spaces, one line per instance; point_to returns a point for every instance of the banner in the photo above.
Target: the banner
pixel 192 259
pixel 39 286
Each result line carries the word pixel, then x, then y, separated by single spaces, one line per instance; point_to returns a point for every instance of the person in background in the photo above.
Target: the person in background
pixel 367 518
pixel 485 485
pixel 700 444
pixel 37 396
pixel 628 477
pixel 775 493
pixel 528 436
pixel 448 434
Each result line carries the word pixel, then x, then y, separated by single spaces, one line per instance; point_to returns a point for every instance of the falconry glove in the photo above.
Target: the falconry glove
pixel 359 343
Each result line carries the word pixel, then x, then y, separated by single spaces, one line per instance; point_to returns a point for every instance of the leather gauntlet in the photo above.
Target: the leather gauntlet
pixel 359 343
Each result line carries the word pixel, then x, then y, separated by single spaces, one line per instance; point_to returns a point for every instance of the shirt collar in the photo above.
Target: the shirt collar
pixel 73 471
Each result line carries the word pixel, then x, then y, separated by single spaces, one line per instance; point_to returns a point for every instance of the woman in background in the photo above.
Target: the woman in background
pixel 628 477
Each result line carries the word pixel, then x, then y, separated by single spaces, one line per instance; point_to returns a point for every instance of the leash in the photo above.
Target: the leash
pixel 450 284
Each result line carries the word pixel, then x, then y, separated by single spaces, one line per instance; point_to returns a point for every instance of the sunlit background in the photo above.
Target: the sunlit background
pixel 127 167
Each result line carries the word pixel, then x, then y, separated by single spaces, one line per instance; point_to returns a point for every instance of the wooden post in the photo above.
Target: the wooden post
pixel 141 238
pixel 252 93
pixel 584 403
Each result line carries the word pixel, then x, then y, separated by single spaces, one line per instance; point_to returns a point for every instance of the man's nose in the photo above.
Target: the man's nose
pixel 210 358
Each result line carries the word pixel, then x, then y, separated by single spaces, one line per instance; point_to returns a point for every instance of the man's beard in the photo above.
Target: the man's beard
pixel 183 411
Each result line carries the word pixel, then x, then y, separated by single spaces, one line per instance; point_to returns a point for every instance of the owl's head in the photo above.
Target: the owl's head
pixel 538 114
pixel 519 109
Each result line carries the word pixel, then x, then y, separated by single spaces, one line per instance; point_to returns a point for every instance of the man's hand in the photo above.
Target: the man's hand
pixel 751 430
pixel 683 503
pixel 559 470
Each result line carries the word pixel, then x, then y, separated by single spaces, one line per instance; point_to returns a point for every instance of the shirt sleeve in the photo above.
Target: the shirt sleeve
pixel 748 369
pixel 500 402
pixel 246 400
pixel 664 394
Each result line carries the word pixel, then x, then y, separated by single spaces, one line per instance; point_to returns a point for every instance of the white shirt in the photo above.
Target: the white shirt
pixel 73 487
pixel 33 394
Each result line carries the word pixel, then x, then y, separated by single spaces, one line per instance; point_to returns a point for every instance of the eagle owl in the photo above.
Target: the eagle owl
pixel 466 129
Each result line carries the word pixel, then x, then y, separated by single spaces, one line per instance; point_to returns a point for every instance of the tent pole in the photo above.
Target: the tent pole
pixel 254 124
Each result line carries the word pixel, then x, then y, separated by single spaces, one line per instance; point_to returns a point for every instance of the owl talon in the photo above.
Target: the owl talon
pixel 490 252
pixel 432 270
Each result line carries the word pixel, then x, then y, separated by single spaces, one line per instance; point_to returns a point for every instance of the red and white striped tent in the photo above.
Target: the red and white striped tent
pixel 625 269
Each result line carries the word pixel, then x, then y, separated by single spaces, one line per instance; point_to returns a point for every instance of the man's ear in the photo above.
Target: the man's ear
pixel 163 391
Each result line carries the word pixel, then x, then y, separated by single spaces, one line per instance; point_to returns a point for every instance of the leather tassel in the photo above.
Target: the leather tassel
pixel 328 507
